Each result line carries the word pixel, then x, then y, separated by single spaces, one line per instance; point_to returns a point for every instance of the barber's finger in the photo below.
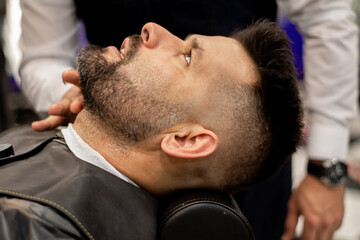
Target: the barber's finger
pixel 50 122
pixel 330 224
pixel 322 234
pixel 61 108
pixel 290 221
pixel 320 227
pixel 71 76
pixel 77 105
pixel 326 234
pixel 311 226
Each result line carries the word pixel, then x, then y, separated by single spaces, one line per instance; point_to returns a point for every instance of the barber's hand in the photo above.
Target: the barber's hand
pixel 65 111
pixel 321 206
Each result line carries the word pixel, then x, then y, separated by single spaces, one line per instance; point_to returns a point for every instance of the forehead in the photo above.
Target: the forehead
pixel 226 56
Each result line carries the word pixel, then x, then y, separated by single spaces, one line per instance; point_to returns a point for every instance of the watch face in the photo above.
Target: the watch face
pixel 337 173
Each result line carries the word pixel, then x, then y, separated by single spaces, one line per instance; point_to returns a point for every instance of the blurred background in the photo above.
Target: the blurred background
pixel 14 108
pixel 350 229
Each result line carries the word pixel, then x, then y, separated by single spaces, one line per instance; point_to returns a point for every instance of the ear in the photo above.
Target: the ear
pixel 195 142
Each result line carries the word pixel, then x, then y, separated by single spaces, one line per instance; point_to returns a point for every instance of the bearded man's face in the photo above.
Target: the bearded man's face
pixel 110 83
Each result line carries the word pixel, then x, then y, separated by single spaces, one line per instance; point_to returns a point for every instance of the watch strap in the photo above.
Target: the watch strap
pixel 331 172
pixel 316 169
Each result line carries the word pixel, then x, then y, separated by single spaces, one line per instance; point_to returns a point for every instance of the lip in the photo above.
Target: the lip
pixel 124 43
pixel 116 51
pixel 122 48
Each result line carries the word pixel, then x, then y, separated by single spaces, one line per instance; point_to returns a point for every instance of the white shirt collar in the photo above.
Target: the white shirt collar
pixel 83 151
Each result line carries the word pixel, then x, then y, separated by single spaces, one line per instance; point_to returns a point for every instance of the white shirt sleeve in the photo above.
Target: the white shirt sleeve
pixel 330 37
pixel 48 43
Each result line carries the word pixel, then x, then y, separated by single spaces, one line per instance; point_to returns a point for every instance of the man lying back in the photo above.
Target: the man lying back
pixel 160 114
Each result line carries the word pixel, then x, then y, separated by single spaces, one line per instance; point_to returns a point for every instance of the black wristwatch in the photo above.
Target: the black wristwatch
pixel 331 172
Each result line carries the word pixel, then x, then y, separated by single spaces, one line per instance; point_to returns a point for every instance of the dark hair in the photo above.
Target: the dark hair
pixel 277 90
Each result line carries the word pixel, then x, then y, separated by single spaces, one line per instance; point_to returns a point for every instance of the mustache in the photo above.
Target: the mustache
pixel 88 52
pixel 135 42
pixel 92 66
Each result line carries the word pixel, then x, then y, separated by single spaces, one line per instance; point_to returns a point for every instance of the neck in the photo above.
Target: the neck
pixel 98 138
pixel 144 163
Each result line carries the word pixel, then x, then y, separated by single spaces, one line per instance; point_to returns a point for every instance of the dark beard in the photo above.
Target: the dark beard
pixel 111 96
pixel 92 66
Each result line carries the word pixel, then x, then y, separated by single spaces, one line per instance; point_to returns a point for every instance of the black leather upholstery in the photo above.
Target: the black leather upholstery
pixel 202 214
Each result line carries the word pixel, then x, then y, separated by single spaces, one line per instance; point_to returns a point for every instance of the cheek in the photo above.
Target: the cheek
pixel 160 75
pixel 149 75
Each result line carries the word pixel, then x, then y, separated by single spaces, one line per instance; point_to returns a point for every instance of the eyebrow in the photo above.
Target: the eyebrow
pixel 194 42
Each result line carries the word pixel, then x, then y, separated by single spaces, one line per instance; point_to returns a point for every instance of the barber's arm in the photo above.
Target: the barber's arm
pixel 330 69
pixel 48 44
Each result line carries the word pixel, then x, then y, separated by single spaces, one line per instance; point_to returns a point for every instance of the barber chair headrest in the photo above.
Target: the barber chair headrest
pixel 202 214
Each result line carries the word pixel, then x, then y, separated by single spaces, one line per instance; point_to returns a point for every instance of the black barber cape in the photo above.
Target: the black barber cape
pixel 52 194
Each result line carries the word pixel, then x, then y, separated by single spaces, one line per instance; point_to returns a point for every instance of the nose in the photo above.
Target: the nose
pixel 154 36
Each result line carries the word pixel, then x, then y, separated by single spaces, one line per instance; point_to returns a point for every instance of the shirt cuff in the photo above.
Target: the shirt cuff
pixel 328 141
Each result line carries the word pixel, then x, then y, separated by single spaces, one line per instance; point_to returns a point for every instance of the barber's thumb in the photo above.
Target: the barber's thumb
pixel 71 76
pixel 290 221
